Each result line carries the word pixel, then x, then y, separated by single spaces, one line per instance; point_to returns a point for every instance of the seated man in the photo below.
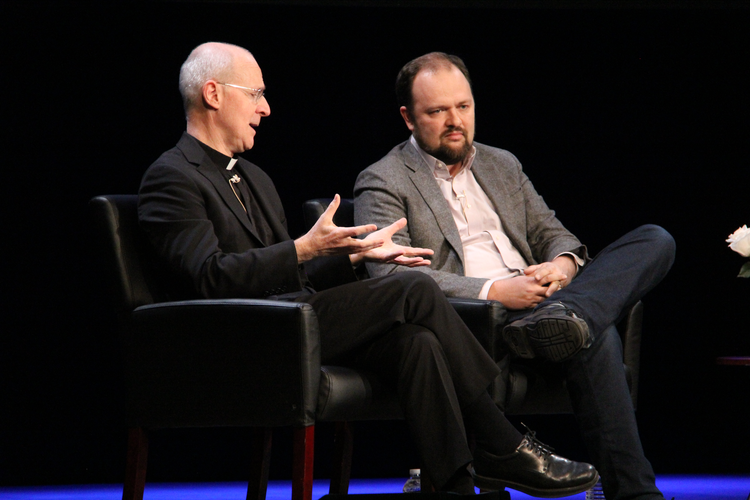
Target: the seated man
pixel 218 225
pixel 495 238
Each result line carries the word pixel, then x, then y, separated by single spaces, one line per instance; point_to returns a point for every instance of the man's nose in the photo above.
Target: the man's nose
pixel 263 108
pixel 453 118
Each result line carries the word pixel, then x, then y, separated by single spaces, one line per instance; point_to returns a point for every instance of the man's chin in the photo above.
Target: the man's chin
pixel 452 155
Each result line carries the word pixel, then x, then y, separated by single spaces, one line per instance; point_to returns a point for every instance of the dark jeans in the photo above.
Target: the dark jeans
pixel 618 277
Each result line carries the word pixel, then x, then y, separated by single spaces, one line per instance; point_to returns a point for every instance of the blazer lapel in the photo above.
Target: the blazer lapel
pixel 195 154
pixel 425 183
pixel 512 219
pixel 272 218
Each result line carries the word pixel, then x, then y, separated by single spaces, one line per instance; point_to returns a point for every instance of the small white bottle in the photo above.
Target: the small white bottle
pixel 595 493
pixel 414 485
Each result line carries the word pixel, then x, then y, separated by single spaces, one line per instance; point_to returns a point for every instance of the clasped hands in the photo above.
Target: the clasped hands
pixel 537 283
pixel 325 239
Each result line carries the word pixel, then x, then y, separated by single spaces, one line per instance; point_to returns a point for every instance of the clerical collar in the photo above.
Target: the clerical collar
pixel 436 164
pixel 220 159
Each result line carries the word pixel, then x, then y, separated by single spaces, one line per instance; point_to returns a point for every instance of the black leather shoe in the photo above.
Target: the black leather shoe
pixel 533 469
pixel 553 332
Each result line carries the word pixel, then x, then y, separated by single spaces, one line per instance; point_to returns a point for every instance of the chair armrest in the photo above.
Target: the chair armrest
pixel 205 361
pixel 485 319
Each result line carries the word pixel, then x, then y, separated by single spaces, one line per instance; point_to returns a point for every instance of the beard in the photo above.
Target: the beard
pixel 450 155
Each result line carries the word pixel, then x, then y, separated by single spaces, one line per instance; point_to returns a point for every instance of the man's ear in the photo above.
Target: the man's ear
pixel 210 93
pixel 406 115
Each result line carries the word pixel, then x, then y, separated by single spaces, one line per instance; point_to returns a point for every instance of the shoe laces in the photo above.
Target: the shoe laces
pixel 534 445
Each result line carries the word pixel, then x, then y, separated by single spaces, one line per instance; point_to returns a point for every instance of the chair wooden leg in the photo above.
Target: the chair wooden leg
pixel 259 464
pixel 135 468
pixel 342 459
pixel 302 468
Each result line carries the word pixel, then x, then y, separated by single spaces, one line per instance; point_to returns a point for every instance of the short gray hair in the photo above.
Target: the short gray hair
pixel 206 62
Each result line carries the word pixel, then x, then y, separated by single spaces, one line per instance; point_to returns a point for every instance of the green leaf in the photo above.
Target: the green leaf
pixel 745 271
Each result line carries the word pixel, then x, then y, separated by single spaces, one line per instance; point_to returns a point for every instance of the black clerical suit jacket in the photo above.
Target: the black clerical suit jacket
pixel 199 228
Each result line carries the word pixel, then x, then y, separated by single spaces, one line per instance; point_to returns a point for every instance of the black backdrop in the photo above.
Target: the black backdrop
pixel 621 116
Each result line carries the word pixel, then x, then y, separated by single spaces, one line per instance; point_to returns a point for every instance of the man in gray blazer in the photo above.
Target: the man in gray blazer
pixel 495 238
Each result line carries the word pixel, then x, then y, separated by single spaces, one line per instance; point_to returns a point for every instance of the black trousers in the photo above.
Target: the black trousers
pixel 402 328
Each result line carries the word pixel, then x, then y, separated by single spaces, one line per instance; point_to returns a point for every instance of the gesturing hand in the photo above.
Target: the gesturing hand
pixel 326 238
pixel 391 252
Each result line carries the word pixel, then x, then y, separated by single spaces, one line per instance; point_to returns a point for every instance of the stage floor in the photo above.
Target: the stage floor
pixel 680 487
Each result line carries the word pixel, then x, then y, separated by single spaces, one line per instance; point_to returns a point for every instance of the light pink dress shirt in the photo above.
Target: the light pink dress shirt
pixel 488 253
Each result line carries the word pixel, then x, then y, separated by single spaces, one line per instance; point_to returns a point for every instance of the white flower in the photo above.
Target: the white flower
pixel 739 241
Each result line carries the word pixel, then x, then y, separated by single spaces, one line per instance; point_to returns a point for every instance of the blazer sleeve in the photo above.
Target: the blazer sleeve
pixel 202 243
pixel 544 236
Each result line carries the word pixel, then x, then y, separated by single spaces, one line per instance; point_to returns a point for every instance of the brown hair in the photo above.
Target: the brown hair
pixel 432 61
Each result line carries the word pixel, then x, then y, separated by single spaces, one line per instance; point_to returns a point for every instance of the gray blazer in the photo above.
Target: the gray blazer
pixel 402 185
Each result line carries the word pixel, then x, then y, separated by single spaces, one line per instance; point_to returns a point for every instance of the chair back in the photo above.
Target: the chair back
pixel 126 252
pixel 313 209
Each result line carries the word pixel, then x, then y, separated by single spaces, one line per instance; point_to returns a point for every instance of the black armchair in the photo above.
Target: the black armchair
pixel 525 386
pixel 207 363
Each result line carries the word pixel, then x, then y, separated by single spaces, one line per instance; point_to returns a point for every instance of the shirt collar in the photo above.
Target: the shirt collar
pixel 219 159
pixel 439 169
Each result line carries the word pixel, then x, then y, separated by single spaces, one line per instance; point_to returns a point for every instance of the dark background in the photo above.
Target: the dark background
pixel 622 113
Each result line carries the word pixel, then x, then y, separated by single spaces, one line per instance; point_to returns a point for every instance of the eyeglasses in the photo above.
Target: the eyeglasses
pixel 255 96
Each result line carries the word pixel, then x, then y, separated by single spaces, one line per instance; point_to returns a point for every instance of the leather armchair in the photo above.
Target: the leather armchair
pixel 238 362
pixel 525 386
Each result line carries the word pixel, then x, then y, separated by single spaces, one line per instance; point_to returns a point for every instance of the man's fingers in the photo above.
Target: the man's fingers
pixel 357 230
pixel 331 209
pixel 531 269
pixel 545 273
pixel 359 246
pixel 553 287
pixel 548 275
pixel 417 252
pixel 411 261
pixel 395 227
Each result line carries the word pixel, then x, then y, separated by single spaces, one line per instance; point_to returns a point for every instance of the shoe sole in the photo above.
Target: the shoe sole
pixel 556 339
pixel 490 484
